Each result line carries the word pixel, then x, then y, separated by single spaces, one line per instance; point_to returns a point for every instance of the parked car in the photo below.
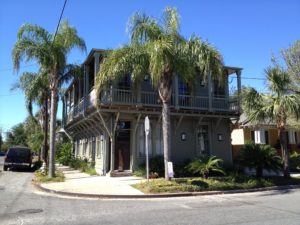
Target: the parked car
pixel 18 157
pixel 2 153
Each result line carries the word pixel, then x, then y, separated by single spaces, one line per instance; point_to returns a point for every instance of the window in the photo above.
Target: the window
pixel 183 88
pixel 219 89
pixel 202 140
pixel 100 145
pixel 85 143
pixel 260 136
pixel 292 137
pixel 125 82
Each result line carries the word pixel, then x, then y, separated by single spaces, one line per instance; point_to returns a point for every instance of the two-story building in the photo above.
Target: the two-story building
pixel 109 128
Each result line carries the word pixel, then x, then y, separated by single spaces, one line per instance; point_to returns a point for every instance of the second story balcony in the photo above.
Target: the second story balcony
pixel 207 97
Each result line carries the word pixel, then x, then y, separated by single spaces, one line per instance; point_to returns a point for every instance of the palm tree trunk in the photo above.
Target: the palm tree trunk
pixel 285 152
pixel 165 92
pixel 166 126
pixel 45 129
pixel 53 109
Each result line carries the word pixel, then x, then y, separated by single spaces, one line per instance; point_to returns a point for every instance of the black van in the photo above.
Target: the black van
pixel 17 157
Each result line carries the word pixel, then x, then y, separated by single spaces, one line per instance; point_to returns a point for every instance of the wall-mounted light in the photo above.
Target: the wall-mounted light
pixel 183 136
pixel 220 137
pixel 101 137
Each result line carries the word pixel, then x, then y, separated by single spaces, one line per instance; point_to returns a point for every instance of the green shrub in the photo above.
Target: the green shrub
pixel 83 165
pixel 140 172
pixel 295 161
pixel 37 165
pixel 64 153
pixel 156 165
pixel 205 164
pixel 215 183
pixel 260 157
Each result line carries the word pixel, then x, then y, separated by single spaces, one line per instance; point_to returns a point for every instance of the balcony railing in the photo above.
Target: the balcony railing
pixel 151 99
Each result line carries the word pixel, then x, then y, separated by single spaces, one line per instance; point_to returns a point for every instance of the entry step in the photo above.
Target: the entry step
pixel 124 173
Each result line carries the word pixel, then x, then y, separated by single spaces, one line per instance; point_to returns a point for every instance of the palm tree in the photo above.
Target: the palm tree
pixel 260 157
pixel 159 50
pixel 50 51
pixel 204 165
pixel 276 106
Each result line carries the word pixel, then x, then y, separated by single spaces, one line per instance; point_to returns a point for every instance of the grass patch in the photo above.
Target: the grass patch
pixel 42 177
pixel 90 171
pixel 211 184
pixel 83 165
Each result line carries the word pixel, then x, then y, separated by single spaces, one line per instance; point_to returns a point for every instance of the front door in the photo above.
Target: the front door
pixel 122 146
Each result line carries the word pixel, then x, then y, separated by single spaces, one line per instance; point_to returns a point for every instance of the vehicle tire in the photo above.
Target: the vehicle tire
pixel 5 168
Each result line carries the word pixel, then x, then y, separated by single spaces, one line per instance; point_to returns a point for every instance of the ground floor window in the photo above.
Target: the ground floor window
pixel 99 146
pixel 260 136
pixel 202 140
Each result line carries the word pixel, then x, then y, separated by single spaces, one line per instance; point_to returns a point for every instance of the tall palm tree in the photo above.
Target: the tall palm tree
pixel 50 51
pixel 276 106
pixel 159 50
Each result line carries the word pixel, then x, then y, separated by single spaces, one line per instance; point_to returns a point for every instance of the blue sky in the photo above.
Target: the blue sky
pixel 246 33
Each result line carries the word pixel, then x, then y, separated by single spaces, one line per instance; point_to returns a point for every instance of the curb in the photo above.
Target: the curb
pixel 168 195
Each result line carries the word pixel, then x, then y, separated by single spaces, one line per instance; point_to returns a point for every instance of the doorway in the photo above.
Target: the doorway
pixel 122 146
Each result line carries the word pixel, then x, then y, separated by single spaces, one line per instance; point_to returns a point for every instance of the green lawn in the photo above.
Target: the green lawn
pixel 41 177
pixel 212 184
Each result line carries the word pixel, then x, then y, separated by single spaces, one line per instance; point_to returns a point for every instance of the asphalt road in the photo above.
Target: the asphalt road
pixel 21 204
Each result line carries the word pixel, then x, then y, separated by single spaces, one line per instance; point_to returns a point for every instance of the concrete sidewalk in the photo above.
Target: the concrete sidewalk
pixel 80 184
pixel 77 182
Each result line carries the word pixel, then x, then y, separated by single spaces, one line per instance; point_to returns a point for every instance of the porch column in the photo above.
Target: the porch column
pixel 79 90
pixel 176 91
pixel 209 87
pixel 112 146
pixel 73 98
pixel 63 111
pixel 238 75
pixel 87 82
pixel 97 66
pixel 85 86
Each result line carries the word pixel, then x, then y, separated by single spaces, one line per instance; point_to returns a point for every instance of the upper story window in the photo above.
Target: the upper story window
pixel 219 89
pixel 125 82
pixel 183 88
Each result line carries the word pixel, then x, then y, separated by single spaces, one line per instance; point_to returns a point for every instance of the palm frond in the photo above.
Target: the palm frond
pixel 143 28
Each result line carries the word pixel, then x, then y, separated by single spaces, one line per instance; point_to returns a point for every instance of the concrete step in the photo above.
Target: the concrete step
pixel 124 173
